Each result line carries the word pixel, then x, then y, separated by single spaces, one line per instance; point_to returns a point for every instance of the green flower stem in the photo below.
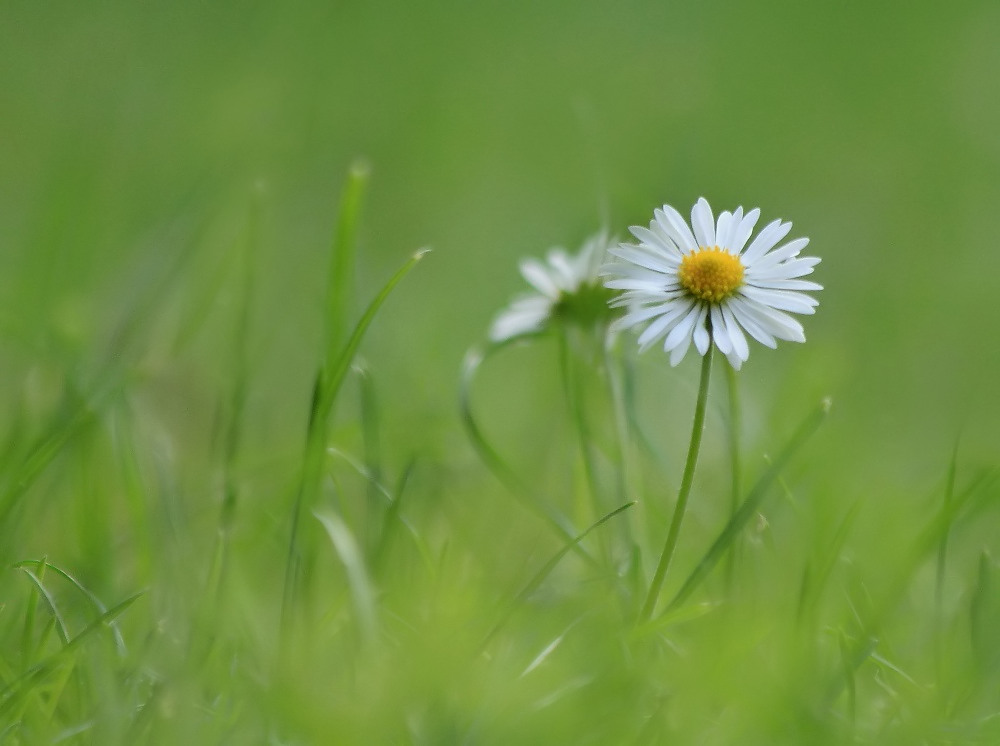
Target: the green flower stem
pixel 685 490
pixel 735 463
pixel 573 383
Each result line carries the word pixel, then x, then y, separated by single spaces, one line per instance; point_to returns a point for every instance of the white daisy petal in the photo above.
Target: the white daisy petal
pixel 564 274
pixel 702 339
pixel 649 286
pixel 753 328
pixel 787 284
pixel 683 329
pixel 740 347
pixel 638 315
pixel 783 300
pixel 676 227
pixel 634 298
pixel 644 259
pixel 524 315
pixel 766 240
pixel 785 270
pixel 719 332
pixel 722 226
pixel 538 277
pixel 661 326
pixel 789 250
pixel 703 223
pixel 741 233
pixel 680 350
pixel 663 240
pixel 776 323
pixel 648 239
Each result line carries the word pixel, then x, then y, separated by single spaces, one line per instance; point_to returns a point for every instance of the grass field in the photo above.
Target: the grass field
pixel 252 493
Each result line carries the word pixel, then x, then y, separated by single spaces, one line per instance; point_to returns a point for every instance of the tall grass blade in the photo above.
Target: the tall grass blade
pixel 328 383
pixel 343 251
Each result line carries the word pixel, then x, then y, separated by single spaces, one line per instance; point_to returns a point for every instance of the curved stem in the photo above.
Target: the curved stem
pixel 575 402
pixel 685 490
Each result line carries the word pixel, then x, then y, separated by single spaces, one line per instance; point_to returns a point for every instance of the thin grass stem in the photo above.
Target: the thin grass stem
pixel 682 496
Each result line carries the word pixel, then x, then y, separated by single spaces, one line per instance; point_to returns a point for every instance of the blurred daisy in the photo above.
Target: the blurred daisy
pixel 708 285
pixel 567 288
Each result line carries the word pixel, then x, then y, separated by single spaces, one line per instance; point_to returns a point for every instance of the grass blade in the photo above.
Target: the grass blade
pixel 749 506
pixel 539 577
pixel 13 692
pixel 340 285
pixel 357 574
pixel 98 605
pixel 328 383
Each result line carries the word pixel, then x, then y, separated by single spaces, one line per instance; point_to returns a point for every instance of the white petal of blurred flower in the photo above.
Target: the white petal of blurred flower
pixel 565 286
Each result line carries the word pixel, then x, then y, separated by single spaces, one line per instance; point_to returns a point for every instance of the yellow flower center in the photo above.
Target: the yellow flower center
pixel 710 273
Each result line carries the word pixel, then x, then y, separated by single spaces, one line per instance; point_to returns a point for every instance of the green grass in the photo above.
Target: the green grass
pixel 263 480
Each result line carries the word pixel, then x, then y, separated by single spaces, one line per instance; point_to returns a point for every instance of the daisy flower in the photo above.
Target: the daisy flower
pixel 566 287
pixel 708 285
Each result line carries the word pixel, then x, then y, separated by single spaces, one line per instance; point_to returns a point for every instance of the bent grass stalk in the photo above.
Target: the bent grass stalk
pixel 559 524
pixel 682 496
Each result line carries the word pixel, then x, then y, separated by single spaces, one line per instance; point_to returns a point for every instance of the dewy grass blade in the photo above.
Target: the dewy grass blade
pixel 749 506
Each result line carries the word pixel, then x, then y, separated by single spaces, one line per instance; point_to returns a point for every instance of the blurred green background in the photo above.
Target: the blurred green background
pixel 495 130
pixel 136 138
